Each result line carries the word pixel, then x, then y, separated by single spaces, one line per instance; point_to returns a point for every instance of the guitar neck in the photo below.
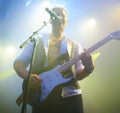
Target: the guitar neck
pixel 99 44
pixel 69 63
pixel 74 60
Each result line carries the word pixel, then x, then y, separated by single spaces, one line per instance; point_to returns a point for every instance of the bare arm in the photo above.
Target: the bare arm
pixel 20 68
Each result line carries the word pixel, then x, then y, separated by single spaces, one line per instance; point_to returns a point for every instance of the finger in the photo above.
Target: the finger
pixel 33 85
pixel 35 81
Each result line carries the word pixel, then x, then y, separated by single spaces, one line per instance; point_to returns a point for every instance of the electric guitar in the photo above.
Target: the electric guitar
pixel 53 77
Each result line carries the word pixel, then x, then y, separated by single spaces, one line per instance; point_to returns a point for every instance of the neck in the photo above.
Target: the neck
pixel 57 32
pixel 56 39
pixel 57 35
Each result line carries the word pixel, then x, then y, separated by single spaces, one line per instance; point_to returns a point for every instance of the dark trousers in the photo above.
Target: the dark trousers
pixel 59 104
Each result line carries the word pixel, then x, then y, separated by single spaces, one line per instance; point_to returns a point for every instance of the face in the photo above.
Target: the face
pixel 60 24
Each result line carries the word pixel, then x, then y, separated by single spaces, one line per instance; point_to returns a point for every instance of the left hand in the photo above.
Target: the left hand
pixel 87 60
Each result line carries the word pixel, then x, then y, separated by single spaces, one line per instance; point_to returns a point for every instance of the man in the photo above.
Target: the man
pixel 68 98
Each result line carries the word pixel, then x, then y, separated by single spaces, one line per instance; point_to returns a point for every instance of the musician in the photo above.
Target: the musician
pixel 68 98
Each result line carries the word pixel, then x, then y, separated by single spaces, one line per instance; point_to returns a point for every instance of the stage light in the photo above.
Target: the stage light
pixel 45 4
pixel 28 3
pixel 10 51
pixel 6 74
pixel 95 56
pixel 92 22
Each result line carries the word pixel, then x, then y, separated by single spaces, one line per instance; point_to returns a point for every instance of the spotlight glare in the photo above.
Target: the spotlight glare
pixel 95 56
pixel 45 4
pixel 92 22
pixel 10 51
pixel 6 74
pixel 28 3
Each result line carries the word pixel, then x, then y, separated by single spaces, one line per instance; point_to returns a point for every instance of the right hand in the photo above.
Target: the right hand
pixel 35 81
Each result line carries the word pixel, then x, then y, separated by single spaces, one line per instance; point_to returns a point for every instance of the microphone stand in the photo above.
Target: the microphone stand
pixel 32 39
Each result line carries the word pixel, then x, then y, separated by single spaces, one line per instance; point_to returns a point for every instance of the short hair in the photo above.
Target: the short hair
pixel 59 7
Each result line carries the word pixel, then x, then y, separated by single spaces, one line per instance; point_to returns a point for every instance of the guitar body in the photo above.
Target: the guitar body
pixel 51 79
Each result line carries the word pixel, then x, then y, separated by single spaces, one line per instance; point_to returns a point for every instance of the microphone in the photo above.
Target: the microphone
pixel 52 14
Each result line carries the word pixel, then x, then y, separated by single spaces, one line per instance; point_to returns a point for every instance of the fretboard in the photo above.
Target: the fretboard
pixel 74 60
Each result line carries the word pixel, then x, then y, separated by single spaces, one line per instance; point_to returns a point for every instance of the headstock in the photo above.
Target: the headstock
pixel 115 35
